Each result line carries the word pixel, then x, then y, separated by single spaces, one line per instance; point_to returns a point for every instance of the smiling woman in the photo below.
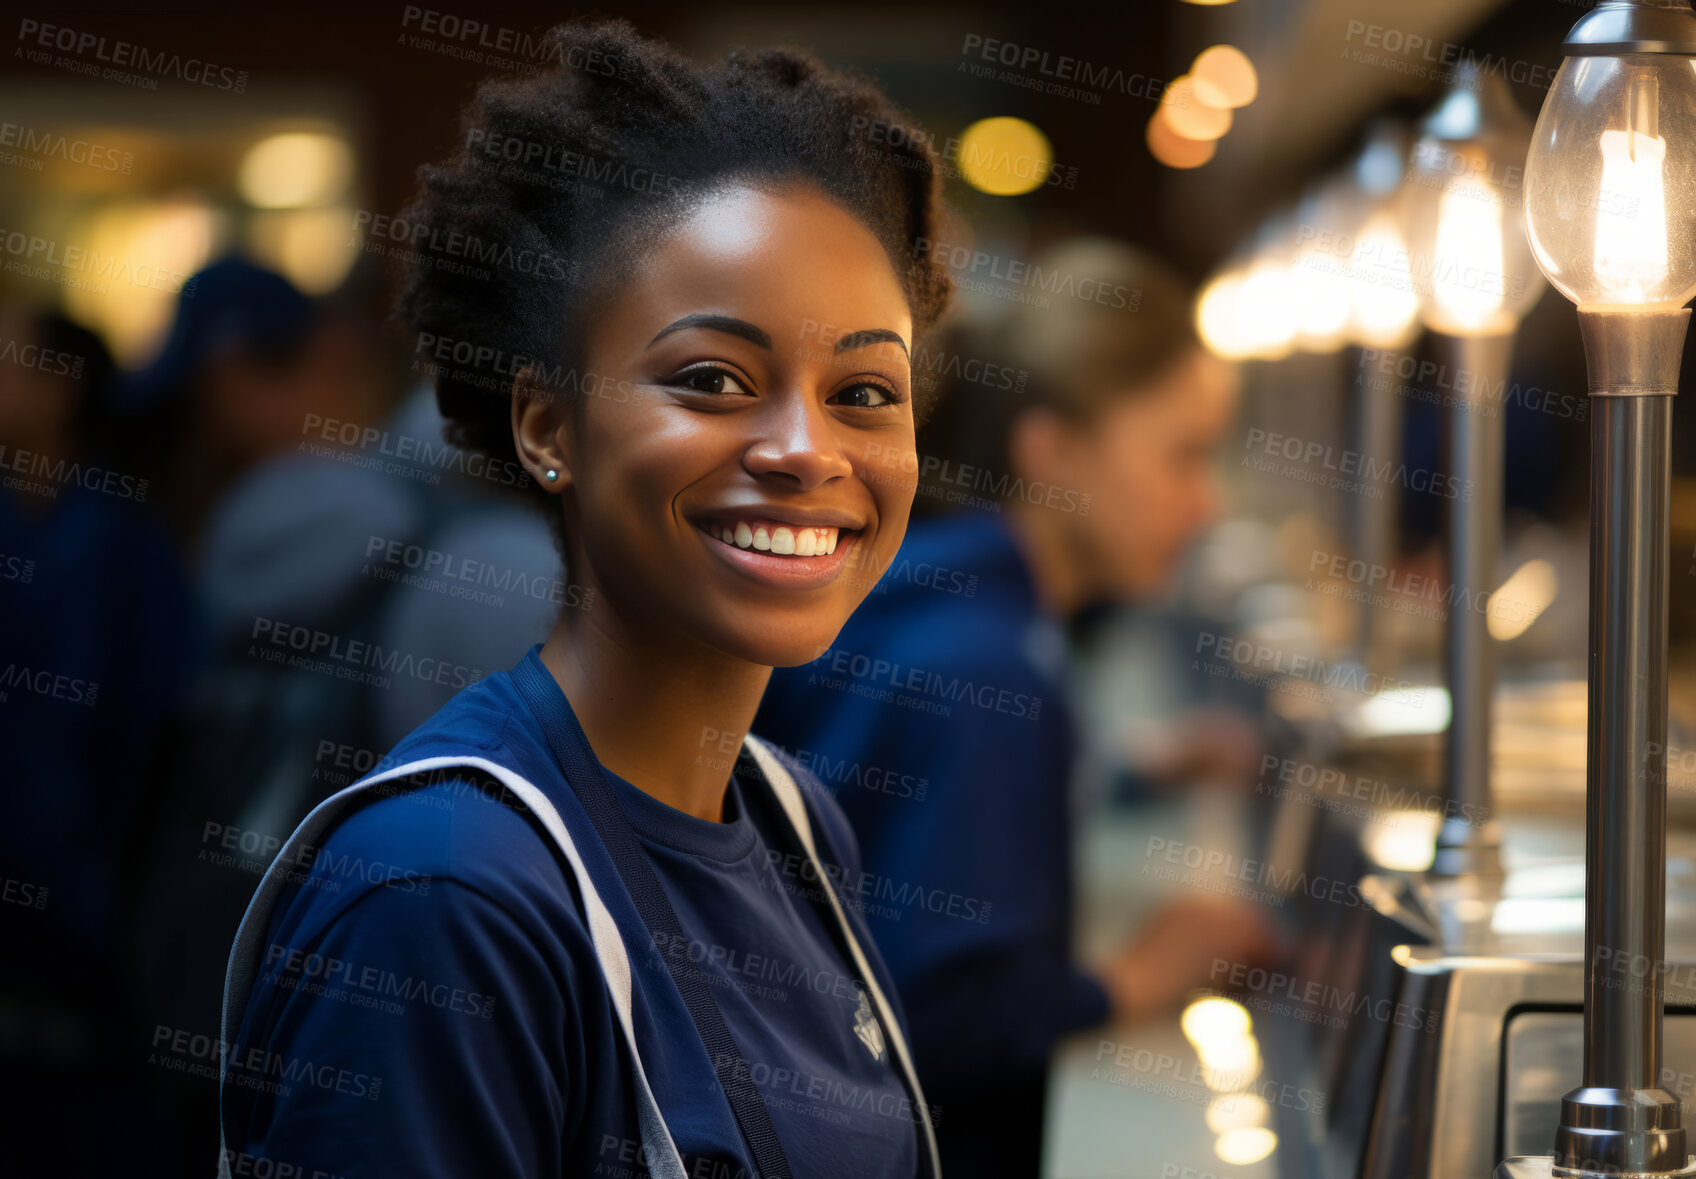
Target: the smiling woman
pixel 612 941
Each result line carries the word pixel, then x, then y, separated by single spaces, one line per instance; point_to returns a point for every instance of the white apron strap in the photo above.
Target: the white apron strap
pixel 795 807
pixel 662 1157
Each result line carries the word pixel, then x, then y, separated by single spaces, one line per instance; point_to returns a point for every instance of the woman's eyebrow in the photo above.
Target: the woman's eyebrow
pixel 717 323
pixel 870 336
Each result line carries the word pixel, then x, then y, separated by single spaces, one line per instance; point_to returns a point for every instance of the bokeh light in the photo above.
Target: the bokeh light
pixel 1004 156
pixel 1228 73
pixel 1190 114
pixel 296 169
pixel 1174 150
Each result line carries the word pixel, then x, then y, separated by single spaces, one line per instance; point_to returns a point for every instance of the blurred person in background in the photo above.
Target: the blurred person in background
pixel 1097 419
pixel 247 361
pixel 316 511
pixel 220 419
pixel 98 642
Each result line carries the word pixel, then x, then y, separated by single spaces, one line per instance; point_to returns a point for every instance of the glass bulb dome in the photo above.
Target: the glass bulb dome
pixel 1384 308
pixel 1464 209
pixel 1319 273
pixel 1611 181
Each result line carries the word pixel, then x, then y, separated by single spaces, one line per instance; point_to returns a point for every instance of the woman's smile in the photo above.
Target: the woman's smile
pixel 778 552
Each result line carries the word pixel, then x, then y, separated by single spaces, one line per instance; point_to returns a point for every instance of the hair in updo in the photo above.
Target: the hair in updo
pixel 561 177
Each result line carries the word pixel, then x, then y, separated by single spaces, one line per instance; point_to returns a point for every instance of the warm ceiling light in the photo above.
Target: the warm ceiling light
pixel 310 247
pixel 1174 150
pixel 1004 156
pixel 1190 113
pixel 1228 73
pixel 297 169
pixel 155 246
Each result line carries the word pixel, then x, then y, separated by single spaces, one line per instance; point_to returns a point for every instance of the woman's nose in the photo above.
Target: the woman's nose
pixel 798 442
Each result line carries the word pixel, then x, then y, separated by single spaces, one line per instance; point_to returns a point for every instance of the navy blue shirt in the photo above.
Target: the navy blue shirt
pixel 431 1003
pixel 938 721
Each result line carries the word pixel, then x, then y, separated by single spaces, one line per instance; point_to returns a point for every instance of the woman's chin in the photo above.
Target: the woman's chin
pixel 781 648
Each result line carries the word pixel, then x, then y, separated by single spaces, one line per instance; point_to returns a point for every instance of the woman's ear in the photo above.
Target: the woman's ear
pixel 541 431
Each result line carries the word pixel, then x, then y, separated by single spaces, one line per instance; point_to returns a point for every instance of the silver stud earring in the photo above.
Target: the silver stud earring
pixel 552 474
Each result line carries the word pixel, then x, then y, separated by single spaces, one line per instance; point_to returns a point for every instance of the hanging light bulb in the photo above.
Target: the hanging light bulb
pixel 1631 217
pixel 1385 305
pixel 1616 136
pixel 1384 308
pixel 1465 200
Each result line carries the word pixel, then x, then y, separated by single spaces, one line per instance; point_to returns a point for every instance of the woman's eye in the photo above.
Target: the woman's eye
pixel 866 396
pixel 711 380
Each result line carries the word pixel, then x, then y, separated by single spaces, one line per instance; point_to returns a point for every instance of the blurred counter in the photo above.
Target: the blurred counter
pixel 1138 1100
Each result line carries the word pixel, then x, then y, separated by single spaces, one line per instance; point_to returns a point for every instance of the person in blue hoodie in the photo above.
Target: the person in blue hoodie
pixel 579 923
pixel 1078 464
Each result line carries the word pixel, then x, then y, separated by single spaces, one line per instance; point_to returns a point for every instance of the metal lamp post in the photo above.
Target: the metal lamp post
pixel 1473 269
pixel 1376 175
pixel 1611 212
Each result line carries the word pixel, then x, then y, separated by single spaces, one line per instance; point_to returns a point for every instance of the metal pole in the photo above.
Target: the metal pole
pixel 1469 841
pixel 1620 1119
pixel 1379 439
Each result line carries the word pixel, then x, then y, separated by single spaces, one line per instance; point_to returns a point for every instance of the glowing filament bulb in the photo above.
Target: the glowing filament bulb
pixel 1631 214
pixel 1385 303
pixel 1466 280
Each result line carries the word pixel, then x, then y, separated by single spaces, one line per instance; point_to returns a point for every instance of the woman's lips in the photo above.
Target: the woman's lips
pixel 781 554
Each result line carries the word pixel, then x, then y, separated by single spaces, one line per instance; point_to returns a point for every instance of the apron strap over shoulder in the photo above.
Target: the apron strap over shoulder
pixel 789 795
pixel 663 1159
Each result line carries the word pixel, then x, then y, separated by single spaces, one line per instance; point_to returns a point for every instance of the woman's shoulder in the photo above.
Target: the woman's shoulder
pixel 423 874
pixel 444 905
pixel 449 820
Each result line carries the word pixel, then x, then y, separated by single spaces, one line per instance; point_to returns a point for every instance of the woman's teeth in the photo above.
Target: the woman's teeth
pixel 785 542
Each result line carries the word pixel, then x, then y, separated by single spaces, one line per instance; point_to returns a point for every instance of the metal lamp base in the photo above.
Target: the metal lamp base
pixel 1633 351
pixel 1619 1132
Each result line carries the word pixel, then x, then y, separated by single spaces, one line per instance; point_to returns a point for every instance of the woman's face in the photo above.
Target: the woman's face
pixel 1157 451
pixel 1147 463
pixel 745 439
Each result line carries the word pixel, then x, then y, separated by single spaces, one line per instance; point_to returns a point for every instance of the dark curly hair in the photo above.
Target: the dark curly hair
pixel 561 177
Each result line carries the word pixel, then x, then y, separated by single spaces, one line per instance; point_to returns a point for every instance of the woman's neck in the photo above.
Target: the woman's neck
pixel 666 715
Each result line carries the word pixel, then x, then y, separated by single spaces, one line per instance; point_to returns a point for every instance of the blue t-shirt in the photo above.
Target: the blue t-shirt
pixel 939 721
pixel 430 1002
